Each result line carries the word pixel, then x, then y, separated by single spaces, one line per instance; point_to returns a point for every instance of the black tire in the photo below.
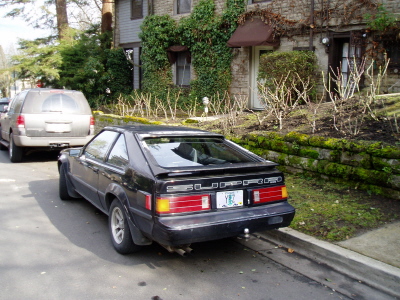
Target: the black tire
pixel 14 151
pixel 2 147
pixel 119 230
pixel 62 186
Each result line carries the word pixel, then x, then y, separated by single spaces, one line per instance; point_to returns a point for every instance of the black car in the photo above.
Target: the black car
pixel 174 185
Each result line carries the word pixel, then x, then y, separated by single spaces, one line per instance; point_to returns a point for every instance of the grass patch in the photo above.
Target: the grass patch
pixel 336 212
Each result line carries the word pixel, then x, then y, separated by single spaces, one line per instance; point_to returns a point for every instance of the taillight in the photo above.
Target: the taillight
pixel 148 202
pixel 91 126
pixel 192 203
pixel 21 121
pixel 269 194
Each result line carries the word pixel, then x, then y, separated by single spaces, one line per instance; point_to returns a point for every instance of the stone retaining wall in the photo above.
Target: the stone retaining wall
pixel 368 165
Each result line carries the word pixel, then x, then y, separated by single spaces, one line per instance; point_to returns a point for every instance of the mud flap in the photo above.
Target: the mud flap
pixel 137 236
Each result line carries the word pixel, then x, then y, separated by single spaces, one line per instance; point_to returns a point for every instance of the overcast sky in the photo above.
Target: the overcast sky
pixel 13 28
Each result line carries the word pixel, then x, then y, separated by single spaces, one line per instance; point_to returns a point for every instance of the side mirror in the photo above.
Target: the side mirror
pixel 74 152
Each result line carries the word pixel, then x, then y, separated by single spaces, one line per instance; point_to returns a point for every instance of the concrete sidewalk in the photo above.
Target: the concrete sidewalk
pixel 373 257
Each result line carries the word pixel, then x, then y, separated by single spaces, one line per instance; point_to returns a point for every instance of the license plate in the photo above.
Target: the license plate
pixel 230 199
pixel 60 127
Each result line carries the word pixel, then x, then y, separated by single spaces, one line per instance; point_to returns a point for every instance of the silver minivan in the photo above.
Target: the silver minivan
pixel 45 118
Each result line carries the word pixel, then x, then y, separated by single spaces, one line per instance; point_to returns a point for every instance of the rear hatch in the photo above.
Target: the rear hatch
pixel 56 113
pixel 209 173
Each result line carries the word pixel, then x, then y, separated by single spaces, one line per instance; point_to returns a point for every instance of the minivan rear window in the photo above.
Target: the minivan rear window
pixel 56 102
pixel 60 102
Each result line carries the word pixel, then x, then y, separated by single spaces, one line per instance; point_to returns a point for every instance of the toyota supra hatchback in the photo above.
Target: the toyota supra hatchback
pixel 174 186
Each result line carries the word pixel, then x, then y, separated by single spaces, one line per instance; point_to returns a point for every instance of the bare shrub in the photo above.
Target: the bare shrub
pixel 228 110
pixel 281 99
pixel 351 107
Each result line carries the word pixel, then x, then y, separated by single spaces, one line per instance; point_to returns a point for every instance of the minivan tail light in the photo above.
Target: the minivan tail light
pixel 182 204
pixel 91 125
pixel 269 194
pixel 21 121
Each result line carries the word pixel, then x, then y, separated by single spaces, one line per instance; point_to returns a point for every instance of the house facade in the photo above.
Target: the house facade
pixel 339 32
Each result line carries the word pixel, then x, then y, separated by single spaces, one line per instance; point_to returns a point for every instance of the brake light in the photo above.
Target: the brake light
pixel 92 121
pixel 269 194
pixel 21 121
pixel 192 203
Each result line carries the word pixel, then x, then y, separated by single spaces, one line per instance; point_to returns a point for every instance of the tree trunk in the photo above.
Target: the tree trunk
pixel 62 18
pixel 106 16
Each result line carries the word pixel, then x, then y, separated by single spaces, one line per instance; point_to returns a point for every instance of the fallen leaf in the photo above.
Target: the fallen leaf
pixel 327 279
pixel 290 250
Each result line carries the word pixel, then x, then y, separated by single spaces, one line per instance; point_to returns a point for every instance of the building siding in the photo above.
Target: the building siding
pixel 128 29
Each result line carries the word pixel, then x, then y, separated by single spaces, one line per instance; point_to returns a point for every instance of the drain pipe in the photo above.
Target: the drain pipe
pixel 311 43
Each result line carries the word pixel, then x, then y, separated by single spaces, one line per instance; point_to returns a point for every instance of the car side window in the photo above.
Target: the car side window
pixel 119 153
pixel 98 147
pixel 15 105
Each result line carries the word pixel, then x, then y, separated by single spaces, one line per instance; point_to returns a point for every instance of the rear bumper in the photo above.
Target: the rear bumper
pixel 181 230
pixel 56 142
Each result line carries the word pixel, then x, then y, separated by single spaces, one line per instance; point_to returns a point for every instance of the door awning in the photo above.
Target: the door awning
pixel 253 32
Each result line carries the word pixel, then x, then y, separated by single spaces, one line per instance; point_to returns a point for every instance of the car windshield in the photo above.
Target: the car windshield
pixel 187 152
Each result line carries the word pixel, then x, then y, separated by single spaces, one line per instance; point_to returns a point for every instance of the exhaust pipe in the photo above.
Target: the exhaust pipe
pixel 188 250
pixel 181 250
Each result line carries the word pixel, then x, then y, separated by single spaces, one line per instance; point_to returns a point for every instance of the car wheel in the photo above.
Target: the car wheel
pixel 119 229
pixel 63 187
pixel 15 152
pixel 2 147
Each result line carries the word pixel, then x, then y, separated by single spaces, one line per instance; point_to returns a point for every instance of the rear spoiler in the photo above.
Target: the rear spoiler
pixel 214 169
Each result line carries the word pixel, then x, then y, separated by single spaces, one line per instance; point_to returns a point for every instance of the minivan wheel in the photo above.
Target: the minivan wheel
pixel 119 229
pixel 15 152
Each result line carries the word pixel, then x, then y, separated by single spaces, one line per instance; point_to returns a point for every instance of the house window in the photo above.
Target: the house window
pixel 183 6
pixel 136 9
pixel 182 70
pixel 392 47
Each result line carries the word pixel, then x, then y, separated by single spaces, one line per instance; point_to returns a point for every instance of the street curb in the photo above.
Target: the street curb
pixel 377 274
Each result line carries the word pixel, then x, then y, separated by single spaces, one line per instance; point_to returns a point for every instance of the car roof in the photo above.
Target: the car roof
pixel 157 130
pixel 38 90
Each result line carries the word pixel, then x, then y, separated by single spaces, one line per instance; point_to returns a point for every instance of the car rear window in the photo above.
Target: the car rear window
pixel 68 102
pixel 187 152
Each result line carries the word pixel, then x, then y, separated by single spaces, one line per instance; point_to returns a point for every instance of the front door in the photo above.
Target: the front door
pixel 257 51
pixel 345 57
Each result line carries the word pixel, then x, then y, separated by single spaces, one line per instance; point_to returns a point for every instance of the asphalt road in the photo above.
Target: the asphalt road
pixel 52 249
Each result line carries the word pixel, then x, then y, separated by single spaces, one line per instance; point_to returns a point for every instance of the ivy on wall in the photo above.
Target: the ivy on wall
pixel 205 34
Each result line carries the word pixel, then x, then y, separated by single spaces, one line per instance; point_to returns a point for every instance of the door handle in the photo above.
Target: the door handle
pixel 96 170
